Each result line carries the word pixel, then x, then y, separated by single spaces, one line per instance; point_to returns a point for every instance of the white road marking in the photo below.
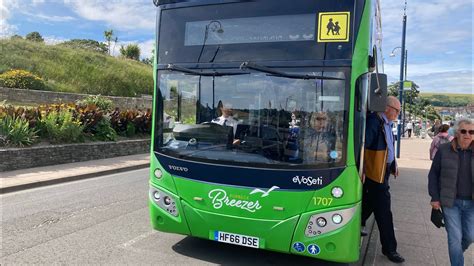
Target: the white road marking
pixel 136 239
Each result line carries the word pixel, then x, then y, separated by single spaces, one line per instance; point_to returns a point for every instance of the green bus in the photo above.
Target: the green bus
pixel 259 118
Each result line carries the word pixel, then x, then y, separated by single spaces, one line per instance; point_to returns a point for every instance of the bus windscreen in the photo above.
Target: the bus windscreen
pixel 272 121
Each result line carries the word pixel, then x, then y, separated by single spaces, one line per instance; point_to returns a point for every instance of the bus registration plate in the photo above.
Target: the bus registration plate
pixel 236 239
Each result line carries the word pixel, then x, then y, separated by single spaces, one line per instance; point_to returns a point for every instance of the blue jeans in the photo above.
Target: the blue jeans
pixel 459 222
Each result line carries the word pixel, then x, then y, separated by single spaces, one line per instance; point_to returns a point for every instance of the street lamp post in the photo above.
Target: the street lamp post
pixel 392 54
pixel 400 91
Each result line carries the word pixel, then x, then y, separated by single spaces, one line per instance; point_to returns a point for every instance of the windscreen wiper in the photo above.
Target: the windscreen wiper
pixel 277 73
pixel 202 73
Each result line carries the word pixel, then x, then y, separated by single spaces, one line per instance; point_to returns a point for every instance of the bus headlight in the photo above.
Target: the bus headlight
pixel 337 218
pixel 158 173
pixel 328 221
pixel 164 200
pixel 337 192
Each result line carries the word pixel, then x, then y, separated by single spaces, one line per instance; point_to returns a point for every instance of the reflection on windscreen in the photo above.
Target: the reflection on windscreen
pixel 284 28
pixel 254 119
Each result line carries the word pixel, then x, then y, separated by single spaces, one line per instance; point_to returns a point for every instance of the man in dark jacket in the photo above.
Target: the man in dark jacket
pixel 379 163
pixel 451 187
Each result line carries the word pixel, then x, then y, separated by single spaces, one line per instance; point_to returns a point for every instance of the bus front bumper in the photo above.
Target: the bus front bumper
pixel 292 235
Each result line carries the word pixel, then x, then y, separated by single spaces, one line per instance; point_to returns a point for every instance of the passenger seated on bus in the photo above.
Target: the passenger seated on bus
pixel 226 118
pixel 292 147
pixel 319 139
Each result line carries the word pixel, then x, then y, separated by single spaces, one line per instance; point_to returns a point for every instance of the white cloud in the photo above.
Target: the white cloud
pixel 438 40
pixel 6 8
pixel 435 77
pixel 50 18
pixel 37 2
pixel 121 15
pixel 450 81
pixel 146 48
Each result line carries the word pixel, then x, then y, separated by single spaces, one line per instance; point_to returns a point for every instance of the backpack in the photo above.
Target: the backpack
pixel 435 146
pixel 442 140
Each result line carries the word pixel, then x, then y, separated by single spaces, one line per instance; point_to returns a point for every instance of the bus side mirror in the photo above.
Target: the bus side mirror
pixel 377 96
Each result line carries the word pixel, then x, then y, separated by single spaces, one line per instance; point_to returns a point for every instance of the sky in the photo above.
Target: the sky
pixel 439 35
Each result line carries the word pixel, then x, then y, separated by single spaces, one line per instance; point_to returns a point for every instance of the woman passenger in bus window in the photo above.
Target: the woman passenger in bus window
pixel 319 139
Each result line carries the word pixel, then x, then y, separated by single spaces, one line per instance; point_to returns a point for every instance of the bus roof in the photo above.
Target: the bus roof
pixel 164 2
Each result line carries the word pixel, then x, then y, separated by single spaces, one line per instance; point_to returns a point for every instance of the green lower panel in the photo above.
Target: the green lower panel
pixel 341 245
pixel 163 221
pixel 274 235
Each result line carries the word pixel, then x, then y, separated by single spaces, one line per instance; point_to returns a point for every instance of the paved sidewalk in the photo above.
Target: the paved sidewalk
pixel 419 241
pixel 47 175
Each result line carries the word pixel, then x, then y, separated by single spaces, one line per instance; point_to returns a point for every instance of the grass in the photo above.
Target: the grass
pixel 66 69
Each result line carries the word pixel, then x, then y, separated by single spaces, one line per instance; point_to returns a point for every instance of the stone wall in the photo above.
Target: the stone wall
pixel 46 97
pixel 22 158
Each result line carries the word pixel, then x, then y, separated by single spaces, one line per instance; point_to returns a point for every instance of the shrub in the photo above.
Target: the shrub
pixel 101 102
pixel 34 36
pixel 16 131
pixel 130 130
pixel 61 126
pixel 21 79
pixel 104 131
pixel 131 51
pixel 88 44
pixel 122 121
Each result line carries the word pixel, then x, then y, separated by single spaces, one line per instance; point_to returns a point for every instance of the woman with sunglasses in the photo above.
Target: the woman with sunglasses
pixel 451 187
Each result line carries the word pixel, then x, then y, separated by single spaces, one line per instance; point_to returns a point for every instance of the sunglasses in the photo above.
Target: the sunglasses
pixel 321 118
pixel 465 131
pixel 398 110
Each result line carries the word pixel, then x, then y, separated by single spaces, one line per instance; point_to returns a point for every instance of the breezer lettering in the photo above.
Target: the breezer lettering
pixel 219 198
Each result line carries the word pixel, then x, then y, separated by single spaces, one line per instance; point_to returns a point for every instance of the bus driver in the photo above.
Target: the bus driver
pixel 226 118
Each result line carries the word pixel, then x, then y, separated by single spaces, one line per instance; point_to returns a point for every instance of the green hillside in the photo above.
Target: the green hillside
pixel 77 70
pixel 448 99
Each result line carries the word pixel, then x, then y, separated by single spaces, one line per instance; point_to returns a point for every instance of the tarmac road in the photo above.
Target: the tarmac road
pixel 105 220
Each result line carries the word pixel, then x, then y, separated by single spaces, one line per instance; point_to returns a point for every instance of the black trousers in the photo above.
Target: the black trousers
pixel 376 199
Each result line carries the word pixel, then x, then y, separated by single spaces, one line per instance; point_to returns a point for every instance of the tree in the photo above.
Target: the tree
pixel 88 44
pixel 409 94
pixel 131 51
pixel 148 61
pixel 34 36
pixel 16 37
pixel 109 36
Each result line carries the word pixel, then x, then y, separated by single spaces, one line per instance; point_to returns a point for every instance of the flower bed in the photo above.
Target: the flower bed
pixel 92 119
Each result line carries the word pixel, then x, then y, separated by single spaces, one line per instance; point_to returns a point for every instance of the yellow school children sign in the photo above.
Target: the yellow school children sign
pixel 333 26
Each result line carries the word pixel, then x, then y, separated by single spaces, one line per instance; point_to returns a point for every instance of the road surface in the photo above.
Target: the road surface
pixel 105 221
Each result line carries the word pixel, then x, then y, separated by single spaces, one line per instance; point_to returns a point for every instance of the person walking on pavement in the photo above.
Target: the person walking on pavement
pixel 379 163
pixel 409 128
pixel 439 139
pixel 451 131
pixel 435 127
pixel 451 187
